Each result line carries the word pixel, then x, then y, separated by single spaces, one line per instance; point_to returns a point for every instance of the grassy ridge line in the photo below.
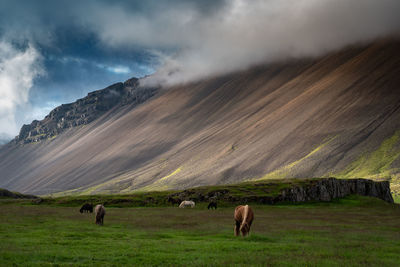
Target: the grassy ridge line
pixel 4 193
pixel 234 193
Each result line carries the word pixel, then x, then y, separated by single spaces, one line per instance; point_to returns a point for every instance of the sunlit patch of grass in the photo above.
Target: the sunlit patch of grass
pixel 285 171
pixel 377 164
pixel 163 183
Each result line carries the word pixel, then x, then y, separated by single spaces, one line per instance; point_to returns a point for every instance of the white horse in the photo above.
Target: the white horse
pixel 187 203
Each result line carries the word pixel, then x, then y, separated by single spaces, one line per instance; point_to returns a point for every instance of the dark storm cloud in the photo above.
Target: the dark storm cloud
pixel 72 47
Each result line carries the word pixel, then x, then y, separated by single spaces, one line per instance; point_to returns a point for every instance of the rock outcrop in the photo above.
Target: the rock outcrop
pixel 331 188
pixel 4 193
pixel 84 110
pixel 311 190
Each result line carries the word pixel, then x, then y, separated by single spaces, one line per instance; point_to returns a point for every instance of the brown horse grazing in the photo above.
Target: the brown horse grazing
pixel 100 211
pixel 243 218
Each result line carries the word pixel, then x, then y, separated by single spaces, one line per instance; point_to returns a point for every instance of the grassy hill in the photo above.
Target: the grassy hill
pixel 4 193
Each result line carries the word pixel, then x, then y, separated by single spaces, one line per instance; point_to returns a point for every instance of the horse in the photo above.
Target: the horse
pixel 212 205
pixel 86 208
pixel 187 203
pixel 243 218
pixel 100 211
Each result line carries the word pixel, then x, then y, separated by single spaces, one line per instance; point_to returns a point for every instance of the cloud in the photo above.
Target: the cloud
pixel 246 33
pixel 192 39
pixel 18 69
pixel 115 69
pixel 119 69
pixel 191 43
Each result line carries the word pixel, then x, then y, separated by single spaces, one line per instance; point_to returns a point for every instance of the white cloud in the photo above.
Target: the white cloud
pixel 115 69
pixel 119 69
pixel 18 69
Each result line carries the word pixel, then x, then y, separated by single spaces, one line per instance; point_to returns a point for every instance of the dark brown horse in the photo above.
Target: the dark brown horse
pixel 100 211
pixel 212 205
pixel 86 208
pixel 243 219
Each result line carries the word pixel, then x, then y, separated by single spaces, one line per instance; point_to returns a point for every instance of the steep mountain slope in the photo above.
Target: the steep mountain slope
pixel 338 115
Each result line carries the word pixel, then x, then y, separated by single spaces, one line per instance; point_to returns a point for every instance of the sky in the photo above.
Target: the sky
pixel 56 51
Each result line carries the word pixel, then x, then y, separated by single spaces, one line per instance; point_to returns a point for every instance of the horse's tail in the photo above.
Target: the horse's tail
pixel 246 212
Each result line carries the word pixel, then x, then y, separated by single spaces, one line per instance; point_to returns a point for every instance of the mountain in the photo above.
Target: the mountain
pixel 333 116
pixel 84 110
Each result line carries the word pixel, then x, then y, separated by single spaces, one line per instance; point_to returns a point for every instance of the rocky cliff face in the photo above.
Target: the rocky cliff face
pixel 313 190
pixel 84 110
pixel 329 189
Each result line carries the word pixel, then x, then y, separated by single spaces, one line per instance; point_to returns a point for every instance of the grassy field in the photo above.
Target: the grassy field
pixel 355 231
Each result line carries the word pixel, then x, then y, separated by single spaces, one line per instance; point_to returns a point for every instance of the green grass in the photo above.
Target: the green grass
pixel 377 165
pixel 355 231
pixel 285 171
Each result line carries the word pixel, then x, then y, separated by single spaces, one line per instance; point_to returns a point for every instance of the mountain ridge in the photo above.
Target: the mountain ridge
pixel 84 110
pixel 330 116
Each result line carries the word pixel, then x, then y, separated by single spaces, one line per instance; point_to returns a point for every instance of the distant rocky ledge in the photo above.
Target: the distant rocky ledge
pixel 84 110
pixel 301 191
pixel 262 192
pixel 4 193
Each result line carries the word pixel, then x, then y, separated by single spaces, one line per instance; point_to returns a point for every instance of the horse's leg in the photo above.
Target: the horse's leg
pixel 248 232
pixel 244 231
pixel 237 226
